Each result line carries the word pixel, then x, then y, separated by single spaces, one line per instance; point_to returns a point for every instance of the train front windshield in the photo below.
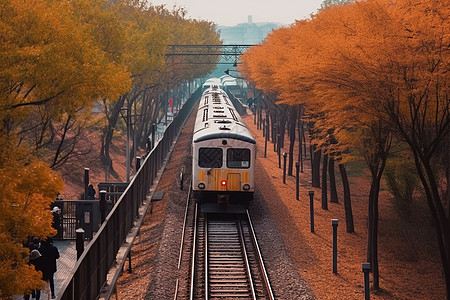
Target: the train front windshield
pixel 210 157
pixel 238 158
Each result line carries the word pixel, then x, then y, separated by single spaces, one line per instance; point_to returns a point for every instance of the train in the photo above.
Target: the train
pixel 211 82
pixel 223 155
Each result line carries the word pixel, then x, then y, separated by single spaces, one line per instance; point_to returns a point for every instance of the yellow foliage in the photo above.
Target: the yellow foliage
pixel 48 54
pixel 27 187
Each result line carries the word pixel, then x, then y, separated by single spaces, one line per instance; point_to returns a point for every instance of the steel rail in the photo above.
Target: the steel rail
pixel 180 256
pixel 260 259
pixel 206 259
pixel 194 254
pixel 246 260
pixel 184 226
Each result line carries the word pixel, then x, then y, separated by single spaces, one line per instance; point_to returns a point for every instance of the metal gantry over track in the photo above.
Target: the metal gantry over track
pixel 205 54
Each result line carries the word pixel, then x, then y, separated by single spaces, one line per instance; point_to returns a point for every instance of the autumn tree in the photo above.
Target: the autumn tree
pixel 50 70
pixel 372 69
pixel 27 188
pixel 144 33
pixel 394 64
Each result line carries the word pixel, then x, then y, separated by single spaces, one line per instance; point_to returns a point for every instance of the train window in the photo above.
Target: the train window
pixel 210 157
pixel 238 158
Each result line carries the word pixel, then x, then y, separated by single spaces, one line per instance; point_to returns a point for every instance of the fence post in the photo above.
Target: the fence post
pixel 86 183
pixel 80 242
pixel 153 135
pixel 138 163
pixel 102 206
pixel 334 223
pixel 366 270
pixel 311 209
pixel 181 180
pixel 149 145
pixel 284 166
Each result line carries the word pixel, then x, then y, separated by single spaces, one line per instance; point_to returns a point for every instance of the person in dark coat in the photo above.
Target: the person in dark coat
pixel 91 192
pixel 37 261
pixel 50 254
pixel 56 223
pixel 37 243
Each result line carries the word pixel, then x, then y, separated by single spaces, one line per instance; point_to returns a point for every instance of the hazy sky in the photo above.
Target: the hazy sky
pixel 232 12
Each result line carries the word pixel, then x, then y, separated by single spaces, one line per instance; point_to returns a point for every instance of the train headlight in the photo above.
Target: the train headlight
pixel 223 183
pixel 201 185
pixel 246 187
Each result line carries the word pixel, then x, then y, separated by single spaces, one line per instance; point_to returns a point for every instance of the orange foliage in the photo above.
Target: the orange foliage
pixel 351 63
pixel 363 71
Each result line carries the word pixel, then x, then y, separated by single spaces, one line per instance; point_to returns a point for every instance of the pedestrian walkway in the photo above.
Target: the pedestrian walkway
pixel 65 263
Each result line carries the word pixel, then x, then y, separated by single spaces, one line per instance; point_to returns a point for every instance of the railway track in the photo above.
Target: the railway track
pixel 226 261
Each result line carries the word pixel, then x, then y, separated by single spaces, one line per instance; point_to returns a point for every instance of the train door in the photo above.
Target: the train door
pixel 233 182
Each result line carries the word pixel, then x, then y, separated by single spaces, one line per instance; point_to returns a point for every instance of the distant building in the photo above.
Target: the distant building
pixel 242 34
pixel 246 33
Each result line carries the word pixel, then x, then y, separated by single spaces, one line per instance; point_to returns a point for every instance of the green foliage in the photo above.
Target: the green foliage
pixel 327 3
pixel 402 181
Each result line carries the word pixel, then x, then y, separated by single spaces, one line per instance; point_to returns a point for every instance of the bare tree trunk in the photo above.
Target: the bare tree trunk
pixel 300 138
pixel 448 196
pixel 377 166
pixel 324 182
pixel 108 135
pixel 315 167
pixel 282 129
pixel 442 223
pixel 374 257
pixel 347 200
pixel 268 124
pixel 292 125
pixel 60 144
pixel 333 189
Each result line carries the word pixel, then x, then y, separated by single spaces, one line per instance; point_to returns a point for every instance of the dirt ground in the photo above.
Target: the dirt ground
pixel 409 262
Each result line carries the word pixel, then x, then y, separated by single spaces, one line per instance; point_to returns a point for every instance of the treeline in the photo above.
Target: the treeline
pixel 367 79
pixel 59 60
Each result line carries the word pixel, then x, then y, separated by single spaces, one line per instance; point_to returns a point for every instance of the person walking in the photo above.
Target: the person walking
pixel 50 254
pixel 37 261
pixel 56 223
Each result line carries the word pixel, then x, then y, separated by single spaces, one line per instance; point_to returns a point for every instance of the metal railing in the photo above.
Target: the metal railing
pixel 91 269
pixel 238 105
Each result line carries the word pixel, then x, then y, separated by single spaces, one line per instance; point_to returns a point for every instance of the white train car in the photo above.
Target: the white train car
pixel 209 83
pixel 224 153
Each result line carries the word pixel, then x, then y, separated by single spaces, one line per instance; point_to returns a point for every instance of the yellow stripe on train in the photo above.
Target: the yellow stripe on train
pixel 215 177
